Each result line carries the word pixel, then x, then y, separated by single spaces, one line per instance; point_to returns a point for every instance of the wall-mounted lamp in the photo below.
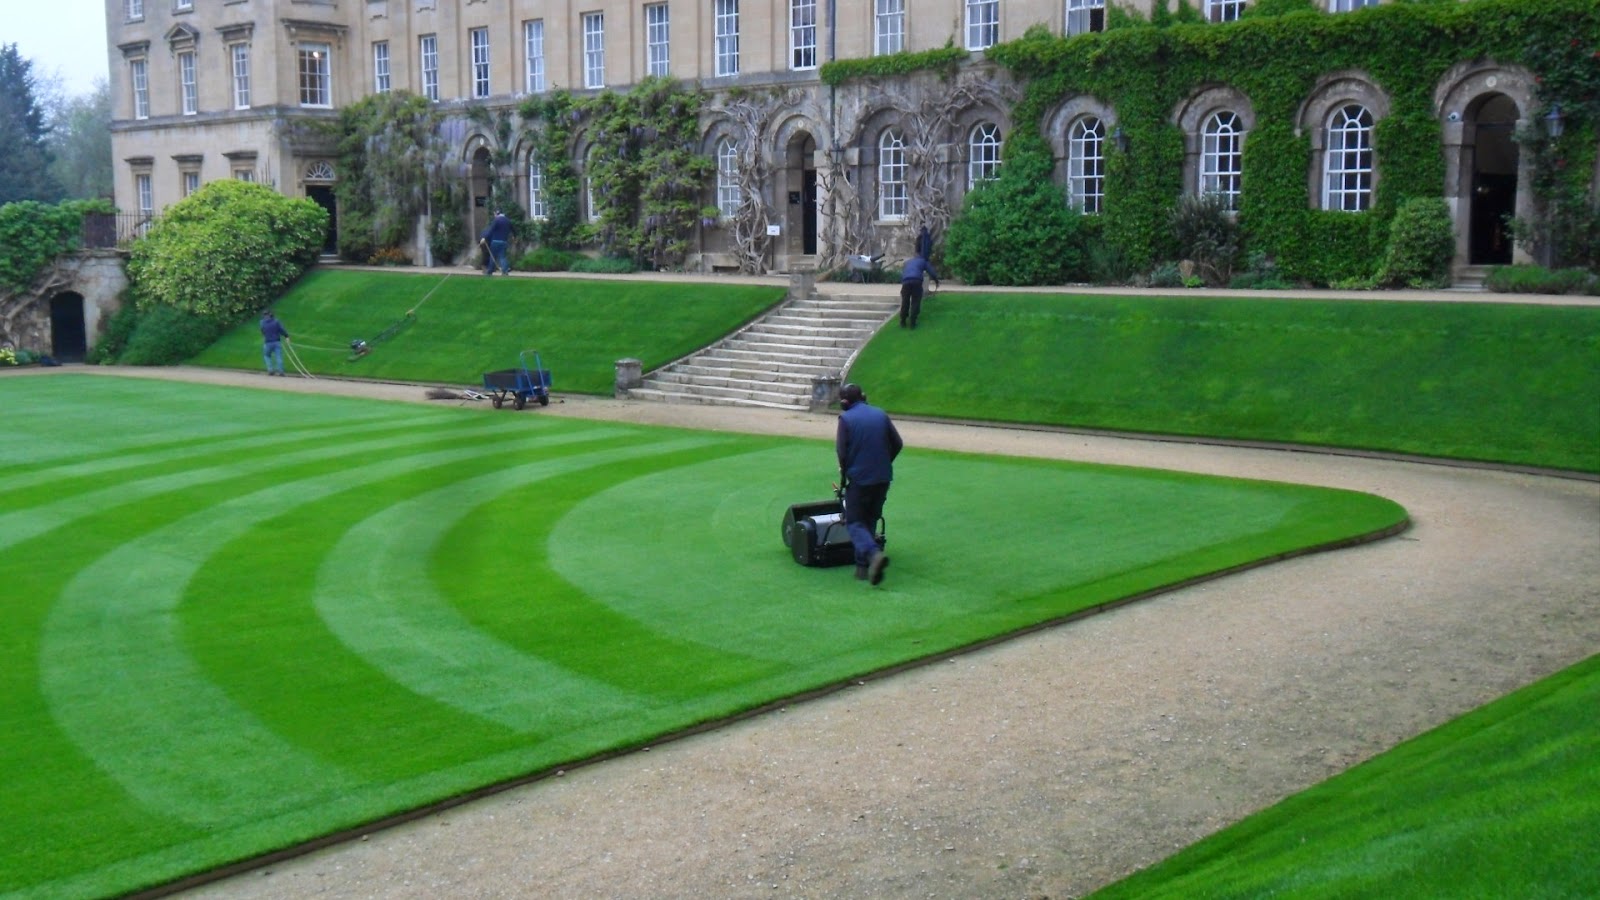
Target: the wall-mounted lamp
pixel 1553 122
pixel 1120 138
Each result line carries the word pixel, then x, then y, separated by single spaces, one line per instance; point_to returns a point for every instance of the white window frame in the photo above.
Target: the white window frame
pixel 729 194
pixel 727 37
pixel 983 24
pixel 248 176
pixel 1081 16
pixel 591 211
pixel 428 50
pixel 889 27
pixel 191 182
pixel 1224 10
pixel 135 10
pixel 1349 163
pixel 139 79
pixel 1086 164
pixel 536 207
pixel 657 40
pixel 1343 6
pixel 313 69
pixel 983 154
pixel 894 199
pixel 381 72
pixel 478 41
pixel 1222 157
pixel 188 87
pixel 144 191
pixel 239 60
pixel 594 50
pixel 802 35
pixel 182 5
pixel 533 48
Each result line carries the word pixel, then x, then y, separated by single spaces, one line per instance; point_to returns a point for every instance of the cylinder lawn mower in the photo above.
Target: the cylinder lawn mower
pixel 815 532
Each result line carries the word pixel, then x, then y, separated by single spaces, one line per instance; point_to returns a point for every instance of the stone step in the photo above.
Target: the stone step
pixel 753 370
pixel 731 392
pixel 787 383
pixel 645 393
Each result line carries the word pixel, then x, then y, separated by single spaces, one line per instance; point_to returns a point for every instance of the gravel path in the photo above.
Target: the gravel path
pixel 1054 763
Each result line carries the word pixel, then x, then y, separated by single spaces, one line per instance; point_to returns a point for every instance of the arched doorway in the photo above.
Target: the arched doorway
pixel 1494 180
pixel 319 189
pixel 479 179
pixel 68 340
pixel 801 202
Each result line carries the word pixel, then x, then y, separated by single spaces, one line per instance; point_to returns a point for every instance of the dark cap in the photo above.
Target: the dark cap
pixel 851 393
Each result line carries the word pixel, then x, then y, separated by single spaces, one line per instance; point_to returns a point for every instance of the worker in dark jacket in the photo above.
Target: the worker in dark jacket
pixel 911 288
pixel 867 444
pixel 273 334
pixel 495 239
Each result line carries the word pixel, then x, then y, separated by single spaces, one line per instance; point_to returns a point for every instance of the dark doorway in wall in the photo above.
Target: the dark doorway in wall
pixel 1494 182
pixel 808 214
pixel 68 342
pixel 322 194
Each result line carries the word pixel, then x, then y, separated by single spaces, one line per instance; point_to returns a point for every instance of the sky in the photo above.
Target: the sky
pixel 64 38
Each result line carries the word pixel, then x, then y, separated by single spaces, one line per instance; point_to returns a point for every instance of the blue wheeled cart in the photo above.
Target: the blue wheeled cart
pixel 521 384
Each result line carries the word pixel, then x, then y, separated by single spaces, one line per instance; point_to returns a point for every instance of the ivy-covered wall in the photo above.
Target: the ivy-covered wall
pixel 1275 56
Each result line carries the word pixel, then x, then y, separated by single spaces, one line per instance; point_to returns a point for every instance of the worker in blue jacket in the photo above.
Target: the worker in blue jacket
pixel 911 288
pixel 867 444
pixel 495 238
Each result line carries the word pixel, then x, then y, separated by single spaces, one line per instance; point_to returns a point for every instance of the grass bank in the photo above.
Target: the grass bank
pixel 237 619
pixel 1503 383
pixel 1502 802
pixel 465 325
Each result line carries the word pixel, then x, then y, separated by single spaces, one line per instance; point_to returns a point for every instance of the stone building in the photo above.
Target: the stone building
pixel 208 89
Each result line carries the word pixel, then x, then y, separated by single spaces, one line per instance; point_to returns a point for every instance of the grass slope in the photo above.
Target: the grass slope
pixel 1497 382
pixel 1502 802
pixel 239 619
pixel 466 325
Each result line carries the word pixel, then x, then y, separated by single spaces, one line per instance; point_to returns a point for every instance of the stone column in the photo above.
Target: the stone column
pixel 629 376
pixel 802 282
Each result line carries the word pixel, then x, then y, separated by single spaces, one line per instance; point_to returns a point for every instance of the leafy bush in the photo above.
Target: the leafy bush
pixel 1168 274
pixel 32 234
pixel 226 250
pixel 547 259
pixel 605 265
pixel 1261 274
pixel 1529 279
pixel 1017 230
pixel 1422 243
pixel 167 335
pixel 390 256
pixel 119 328
pixel 1207 235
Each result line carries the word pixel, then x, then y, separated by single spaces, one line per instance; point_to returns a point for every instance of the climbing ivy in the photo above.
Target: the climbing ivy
pixel 1275 57
pixel 393 168
pixel 946 59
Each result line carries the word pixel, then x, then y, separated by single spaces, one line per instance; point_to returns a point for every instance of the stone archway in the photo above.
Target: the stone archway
pixel 799 197
pixel 69 341
pixel 1480 106
pixel 67 307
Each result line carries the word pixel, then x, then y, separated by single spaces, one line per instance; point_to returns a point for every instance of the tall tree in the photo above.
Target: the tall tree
pixel 24 156
pixel 80 139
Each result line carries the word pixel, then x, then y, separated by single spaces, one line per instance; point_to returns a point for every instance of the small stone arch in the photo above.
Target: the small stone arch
pixel 1060 120
pixel 1481 104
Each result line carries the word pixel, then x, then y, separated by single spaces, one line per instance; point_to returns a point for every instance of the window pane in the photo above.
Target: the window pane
pixel 802 34
pixel 727 26
pixel 314 75
pixel 241 76
pixel 380 67
pixel 729 194
pixel 189 90
pixel 430 66
pixel 1348 160
pixel 893 199
pixel 594 50
pixel 1086 164
pixel 891 27
pixel 1222 157
pixel 480 62
pixel 658 37
pixel 983 23
pixel 533 37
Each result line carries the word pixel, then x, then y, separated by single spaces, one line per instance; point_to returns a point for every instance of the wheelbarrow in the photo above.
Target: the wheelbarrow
pixel 861 266
pixel 521 384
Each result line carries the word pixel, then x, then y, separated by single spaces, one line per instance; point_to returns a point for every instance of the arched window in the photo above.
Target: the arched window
pixel 983 154
pixel 1347 163
pixel 1086 164
pixel 892 195
pixel 1222 157
pixel 729 194
pixel 321 170
pixel 536 210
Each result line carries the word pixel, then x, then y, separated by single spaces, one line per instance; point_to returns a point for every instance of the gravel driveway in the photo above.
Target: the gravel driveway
pixel 1054 763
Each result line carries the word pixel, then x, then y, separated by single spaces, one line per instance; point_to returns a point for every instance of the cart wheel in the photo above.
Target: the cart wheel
pixel 498 402
pixel 857 277
pixel 544 399
pixel 522 401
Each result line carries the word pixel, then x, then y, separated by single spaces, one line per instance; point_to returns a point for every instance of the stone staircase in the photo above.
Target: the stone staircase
pixel 1469 278
pixel 773 361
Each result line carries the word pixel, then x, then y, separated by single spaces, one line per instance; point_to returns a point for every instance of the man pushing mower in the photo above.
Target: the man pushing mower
pixel 867 444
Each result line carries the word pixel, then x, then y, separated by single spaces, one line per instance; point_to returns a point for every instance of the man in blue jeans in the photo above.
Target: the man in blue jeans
pixel 867 444
pixel 495 238
pixel 273 334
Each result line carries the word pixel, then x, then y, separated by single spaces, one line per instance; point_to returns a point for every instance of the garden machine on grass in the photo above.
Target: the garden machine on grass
pixel 815 532
pixel 520 384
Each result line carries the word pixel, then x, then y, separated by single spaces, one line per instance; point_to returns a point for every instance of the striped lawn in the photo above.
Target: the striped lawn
pixel 237 619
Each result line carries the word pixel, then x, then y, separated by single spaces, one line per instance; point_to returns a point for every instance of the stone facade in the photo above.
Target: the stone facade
pixel 67 308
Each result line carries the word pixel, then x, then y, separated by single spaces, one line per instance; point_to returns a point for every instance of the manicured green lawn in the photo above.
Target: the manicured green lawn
pixel 1477 381
pixel 1502 802
pixel 467 325
pixel 239 619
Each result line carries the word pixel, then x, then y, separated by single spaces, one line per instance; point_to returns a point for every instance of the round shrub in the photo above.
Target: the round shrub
pixel 166 335
pixel 1421 244
pixel 1017 230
